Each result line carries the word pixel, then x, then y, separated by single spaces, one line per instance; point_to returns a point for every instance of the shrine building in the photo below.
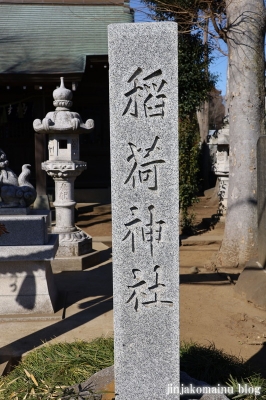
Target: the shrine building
pixel 42 40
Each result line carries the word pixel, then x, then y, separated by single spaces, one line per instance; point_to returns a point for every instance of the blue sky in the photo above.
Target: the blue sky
pixel 218 66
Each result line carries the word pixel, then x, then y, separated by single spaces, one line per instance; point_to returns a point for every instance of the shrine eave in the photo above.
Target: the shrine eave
pixel 44 39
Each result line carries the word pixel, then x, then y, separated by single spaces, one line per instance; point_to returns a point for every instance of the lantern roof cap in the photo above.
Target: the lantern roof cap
pixel 62 93
pixel 62 97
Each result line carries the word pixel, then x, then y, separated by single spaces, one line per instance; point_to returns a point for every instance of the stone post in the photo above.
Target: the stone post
pixel 145 208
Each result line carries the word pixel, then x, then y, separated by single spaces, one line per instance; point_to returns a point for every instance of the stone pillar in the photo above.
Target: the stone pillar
pixel 64 204
pixel 145 208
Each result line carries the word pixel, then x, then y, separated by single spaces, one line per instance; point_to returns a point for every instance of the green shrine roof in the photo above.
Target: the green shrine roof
pixel 51 39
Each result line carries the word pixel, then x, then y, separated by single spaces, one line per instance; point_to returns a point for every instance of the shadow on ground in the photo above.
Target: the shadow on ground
pixel 209 278
pixel 86 216
pixel 205 225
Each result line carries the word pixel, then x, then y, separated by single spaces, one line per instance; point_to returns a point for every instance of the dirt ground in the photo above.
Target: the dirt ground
pixel 210 312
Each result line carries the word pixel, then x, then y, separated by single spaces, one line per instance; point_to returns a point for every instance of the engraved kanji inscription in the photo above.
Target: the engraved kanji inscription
pixel 145 295
pixel 157 291
pixel 139 289
pixel 145 164
pixel 63 191
pixel 147 94
pixel 148 230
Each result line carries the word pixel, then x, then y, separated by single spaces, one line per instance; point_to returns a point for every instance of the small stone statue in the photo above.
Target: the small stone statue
pixel 15 191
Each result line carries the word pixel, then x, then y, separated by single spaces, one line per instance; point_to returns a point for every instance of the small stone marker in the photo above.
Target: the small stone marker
pixel 145 206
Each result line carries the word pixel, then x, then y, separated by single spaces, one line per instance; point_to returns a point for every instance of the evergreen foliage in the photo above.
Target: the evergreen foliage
pixel 189 154
pixel 194 87
pixel 194 84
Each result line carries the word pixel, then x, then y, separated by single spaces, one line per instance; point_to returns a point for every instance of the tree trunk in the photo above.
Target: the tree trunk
pixel 246 22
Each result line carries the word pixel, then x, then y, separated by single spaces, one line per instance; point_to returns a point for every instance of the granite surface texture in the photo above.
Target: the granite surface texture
pixel 31 253
pixel 24 230
pixel 145 207
pixel 15 211
pixel 26 287
pixel 76 244
pixel 27 284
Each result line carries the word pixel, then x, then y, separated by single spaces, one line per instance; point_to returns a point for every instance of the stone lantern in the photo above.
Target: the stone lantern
pixel 63 127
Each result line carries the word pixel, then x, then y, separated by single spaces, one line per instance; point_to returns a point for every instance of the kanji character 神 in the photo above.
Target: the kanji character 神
pixel 149 232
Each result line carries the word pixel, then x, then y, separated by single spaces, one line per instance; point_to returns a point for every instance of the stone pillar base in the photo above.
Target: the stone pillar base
pixel 26 287
pixel 99 254
pixel 72 244
pixel 251 284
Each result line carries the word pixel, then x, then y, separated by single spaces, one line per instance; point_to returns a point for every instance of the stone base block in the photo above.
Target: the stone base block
pixel 251 284
pixel 26 287
pixel 99 254
pixel 30 253
pixel 14 211
pixel 74 244
pixel 25 230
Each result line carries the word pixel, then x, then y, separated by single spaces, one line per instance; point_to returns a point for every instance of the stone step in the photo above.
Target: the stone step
pixel 196 258
pixel 202 240
pixel 210 247
pixel 107 240
pixel 95 208
pixel 101 252
pixel 57 316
